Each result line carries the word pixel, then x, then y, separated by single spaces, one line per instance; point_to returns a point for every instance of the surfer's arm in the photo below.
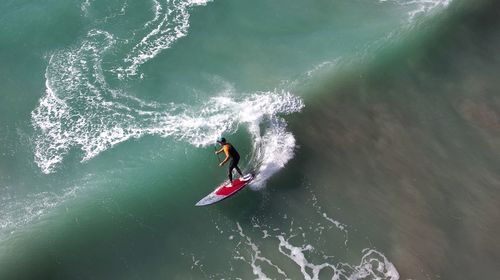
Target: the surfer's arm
pixel 224 161
pixel 226 151
pixel 219 151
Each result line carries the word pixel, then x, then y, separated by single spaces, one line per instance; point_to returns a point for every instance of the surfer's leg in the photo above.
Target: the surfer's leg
pixel 239 171
pixel 230 173
pixel 234 164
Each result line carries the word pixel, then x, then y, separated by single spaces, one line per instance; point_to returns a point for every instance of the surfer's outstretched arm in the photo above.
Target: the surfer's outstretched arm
pixel 226 151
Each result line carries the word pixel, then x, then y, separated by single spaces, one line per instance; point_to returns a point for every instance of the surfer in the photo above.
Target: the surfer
pixel 232 154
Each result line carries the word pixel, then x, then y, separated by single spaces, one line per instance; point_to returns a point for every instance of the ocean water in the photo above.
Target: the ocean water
pixel 373 127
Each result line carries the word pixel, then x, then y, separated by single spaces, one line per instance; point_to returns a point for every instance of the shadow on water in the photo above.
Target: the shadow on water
pixel 408 147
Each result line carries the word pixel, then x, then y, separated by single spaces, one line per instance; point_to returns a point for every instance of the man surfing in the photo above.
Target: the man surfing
pixel 226 190
pixel 231 154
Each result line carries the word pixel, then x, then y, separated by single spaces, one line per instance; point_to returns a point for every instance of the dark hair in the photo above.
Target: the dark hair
pixel 222 140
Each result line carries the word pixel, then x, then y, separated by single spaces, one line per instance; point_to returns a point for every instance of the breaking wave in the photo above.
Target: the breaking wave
pixel 80 109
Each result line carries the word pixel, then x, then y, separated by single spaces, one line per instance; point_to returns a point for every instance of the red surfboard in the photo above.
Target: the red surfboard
pixel 225 190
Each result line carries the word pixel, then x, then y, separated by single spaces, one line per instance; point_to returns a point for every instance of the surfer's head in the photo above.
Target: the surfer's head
pixel 221 140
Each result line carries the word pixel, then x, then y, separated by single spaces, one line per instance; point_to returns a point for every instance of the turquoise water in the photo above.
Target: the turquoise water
pixel 373 127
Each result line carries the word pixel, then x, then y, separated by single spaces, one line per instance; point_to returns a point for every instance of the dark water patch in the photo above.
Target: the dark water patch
pixel 408 147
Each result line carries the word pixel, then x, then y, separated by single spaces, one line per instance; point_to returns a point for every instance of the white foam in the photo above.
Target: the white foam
pixel 256 258
pixel 309 254
pixel 373 264
pixel 81 111
pixel 272 150
pixel 169 24
pixel 74 81
pixel 94 118
pixel 296 254
pixel 85 6
pixel 18 212
pixel 157 13
pixel 420 7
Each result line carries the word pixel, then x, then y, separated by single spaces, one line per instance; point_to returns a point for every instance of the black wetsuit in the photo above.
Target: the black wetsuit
pixel 235 158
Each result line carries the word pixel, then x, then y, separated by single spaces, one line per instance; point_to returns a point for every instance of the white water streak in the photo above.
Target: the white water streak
pixel 16 212
pixel 169 24
pixel 256 258
pixel 419 7
pixel 80 110
pixel 373 265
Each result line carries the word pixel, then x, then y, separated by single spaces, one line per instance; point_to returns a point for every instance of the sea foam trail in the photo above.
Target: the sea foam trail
pixel 80 110
pixel 97 120
pixel 277 252
pixel 170 23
